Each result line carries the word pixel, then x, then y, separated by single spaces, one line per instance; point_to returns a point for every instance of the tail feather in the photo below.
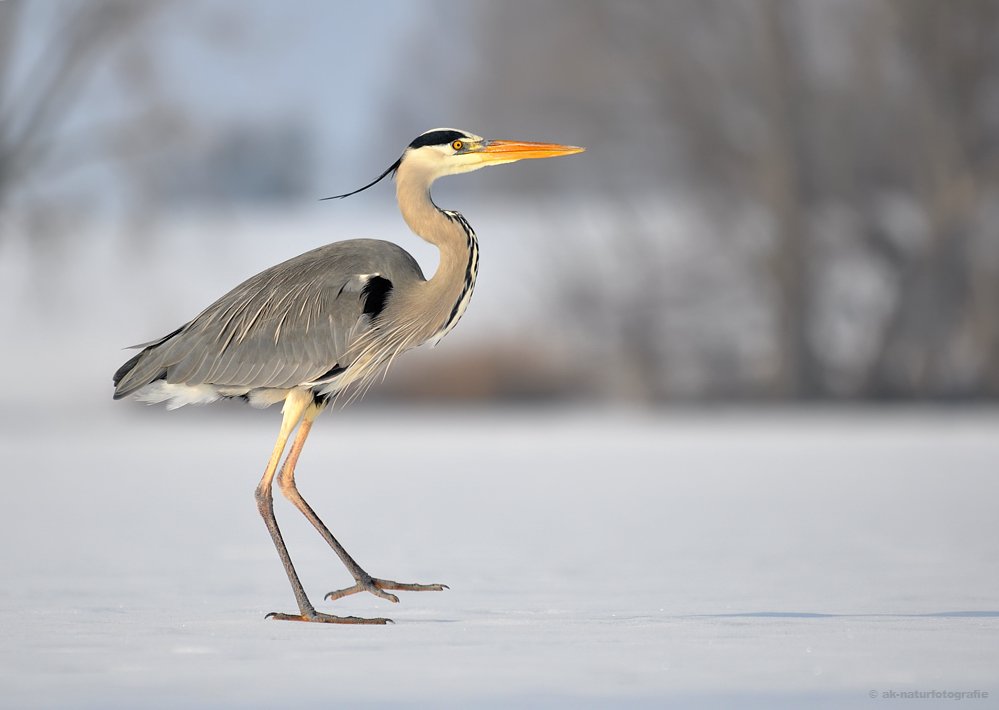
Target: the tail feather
pixel 139 371
pixel 134 375
pixel 122 371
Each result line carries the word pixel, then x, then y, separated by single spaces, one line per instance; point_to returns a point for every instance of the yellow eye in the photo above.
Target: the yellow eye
pixel 456 145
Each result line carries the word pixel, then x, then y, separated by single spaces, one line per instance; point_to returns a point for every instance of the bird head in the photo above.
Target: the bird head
pixel 449 151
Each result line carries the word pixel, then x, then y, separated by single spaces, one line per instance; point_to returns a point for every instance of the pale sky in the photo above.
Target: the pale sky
pixel 319 62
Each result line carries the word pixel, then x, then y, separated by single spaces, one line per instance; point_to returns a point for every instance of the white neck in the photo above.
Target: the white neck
pixel 443 298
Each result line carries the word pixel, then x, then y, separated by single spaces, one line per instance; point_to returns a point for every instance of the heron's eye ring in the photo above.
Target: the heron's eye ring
pixel 457 145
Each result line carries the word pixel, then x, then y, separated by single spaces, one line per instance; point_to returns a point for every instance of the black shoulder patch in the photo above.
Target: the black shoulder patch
pixel 438 138
pixel 375 292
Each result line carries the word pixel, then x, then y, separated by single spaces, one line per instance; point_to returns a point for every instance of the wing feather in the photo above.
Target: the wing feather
pixel 282 328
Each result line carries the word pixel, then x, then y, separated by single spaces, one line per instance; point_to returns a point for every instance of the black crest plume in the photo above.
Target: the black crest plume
pixel 391 171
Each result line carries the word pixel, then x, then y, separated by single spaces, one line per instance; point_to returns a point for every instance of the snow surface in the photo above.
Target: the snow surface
pixel 596 558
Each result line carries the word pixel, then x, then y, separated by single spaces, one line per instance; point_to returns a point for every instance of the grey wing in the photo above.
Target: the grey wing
pixel 290 325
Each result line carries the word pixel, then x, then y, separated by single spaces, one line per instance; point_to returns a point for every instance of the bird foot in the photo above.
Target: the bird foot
pixel 377 587
pixel 321 618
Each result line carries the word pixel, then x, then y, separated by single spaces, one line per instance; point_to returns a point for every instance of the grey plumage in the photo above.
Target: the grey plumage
pixel 335 316
pixel 285 327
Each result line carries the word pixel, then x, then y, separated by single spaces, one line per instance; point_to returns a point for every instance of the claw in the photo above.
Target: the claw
pixel 327 618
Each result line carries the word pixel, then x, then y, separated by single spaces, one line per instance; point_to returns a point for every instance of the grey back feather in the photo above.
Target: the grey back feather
pixel 284 327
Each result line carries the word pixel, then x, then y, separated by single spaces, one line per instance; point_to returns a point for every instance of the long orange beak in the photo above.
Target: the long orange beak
pixel 509 151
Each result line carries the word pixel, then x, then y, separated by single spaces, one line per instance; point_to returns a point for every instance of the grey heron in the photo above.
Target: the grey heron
pixel 306 329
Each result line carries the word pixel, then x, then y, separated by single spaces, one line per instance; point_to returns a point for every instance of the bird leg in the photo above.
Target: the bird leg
pixel 294 407
pixel 364 581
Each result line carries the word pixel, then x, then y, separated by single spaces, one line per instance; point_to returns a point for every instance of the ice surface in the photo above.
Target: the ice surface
pixel 596 558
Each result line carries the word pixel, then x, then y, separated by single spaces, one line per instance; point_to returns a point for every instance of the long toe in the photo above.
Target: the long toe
pixel 365 586
pixel 320 618
pixel 378 587
pixel 398 587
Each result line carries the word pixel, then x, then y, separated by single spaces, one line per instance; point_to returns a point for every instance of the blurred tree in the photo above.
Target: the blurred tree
pixel 53 56
pixel 832 165
pixel 940 120
pixel 261 165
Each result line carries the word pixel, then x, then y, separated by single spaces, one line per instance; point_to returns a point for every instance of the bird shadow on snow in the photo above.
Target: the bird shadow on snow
pixel 810 615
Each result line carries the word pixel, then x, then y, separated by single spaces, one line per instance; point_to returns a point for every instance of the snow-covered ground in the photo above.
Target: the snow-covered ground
pixel 595 558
